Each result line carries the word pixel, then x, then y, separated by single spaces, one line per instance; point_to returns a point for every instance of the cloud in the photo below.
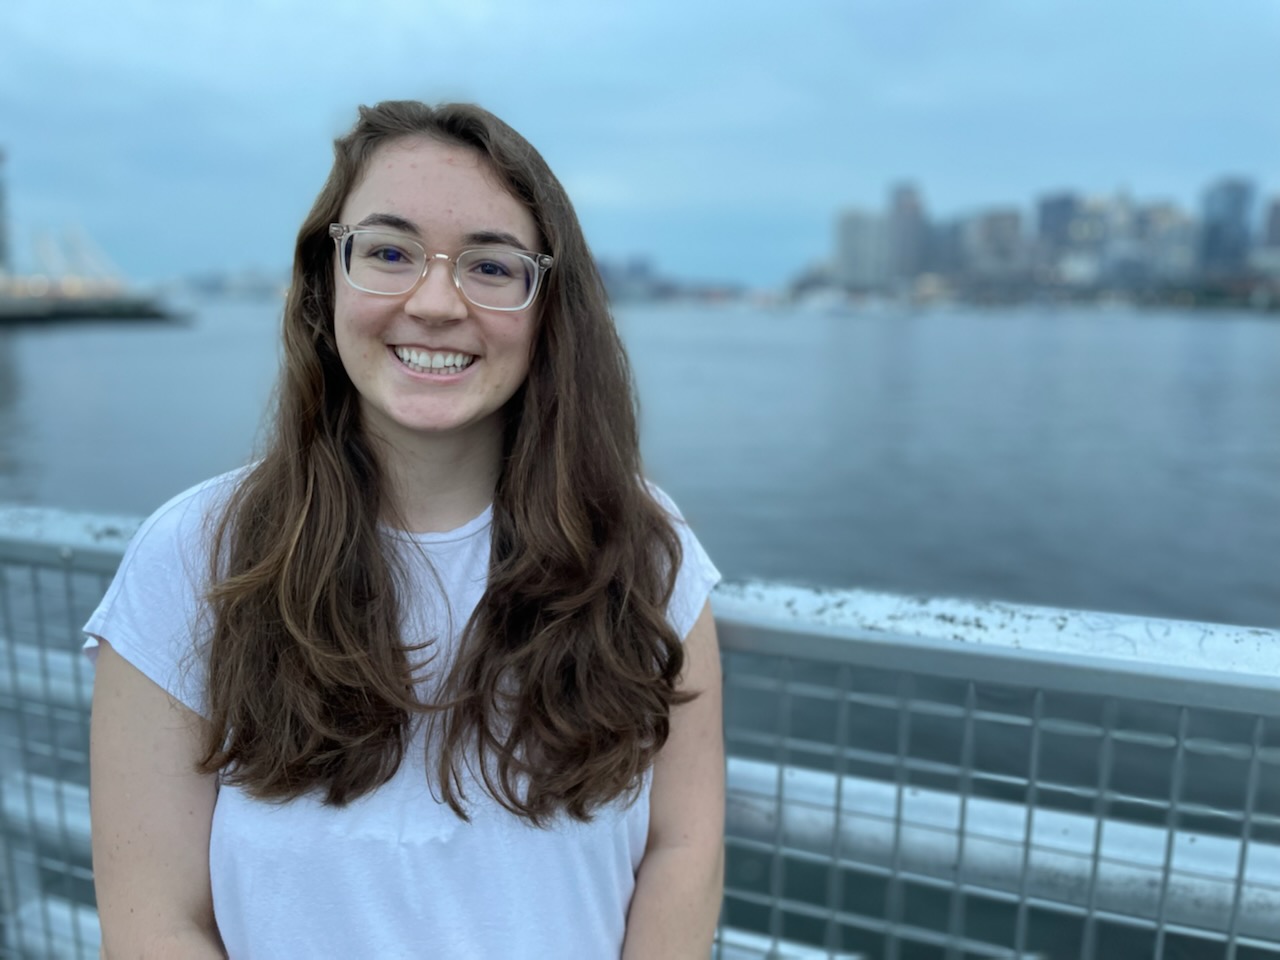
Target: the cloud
pixel 185 121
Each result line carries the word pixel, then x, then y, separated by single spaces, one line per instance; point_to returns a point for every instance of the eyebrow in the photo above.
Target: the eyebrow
pixel 390 220
pixel 479 238
pixel 494 237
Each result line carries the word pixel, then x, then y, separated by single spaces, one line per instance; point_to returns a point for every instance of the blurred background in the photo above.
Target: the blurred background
pixel 974 299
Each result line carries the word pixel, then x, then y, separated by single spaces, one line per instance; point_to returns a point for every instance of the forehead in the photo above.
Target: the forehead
pixel 446 189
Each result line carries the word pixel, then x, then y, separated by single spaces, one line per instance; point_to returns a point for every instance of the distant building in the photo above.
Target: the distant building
pixel 1055 214
pixel 1083 260
pixel 862 251
pixel 1123 255
pixel 1168 238
pixel 631 279
pixel 1271 232
pixel 1224 234
pixel 1090 226
pixel 946 248
pixel 1265 257
pixel 908 234
pixel 993 244
pixel 1266 262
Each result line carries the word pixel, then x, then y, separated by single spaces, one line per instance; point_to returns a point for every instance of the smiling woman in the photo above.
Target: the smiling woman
pixel 437 674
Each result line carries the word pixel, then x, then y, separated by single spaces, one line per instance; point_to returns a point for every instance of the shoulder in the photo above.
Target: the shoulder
pixel 185 518
pixel 697 574
pixel 150 613
pixel 170 553
pixel 663 500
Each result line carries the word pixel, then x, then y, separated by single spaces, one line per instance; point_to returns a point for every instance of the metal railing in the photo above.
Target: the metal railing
pixel 915 778
pixel 907 778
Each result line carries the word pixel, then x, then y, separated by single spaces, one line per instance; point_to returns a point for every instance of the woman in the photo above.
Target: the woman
pixel 436 676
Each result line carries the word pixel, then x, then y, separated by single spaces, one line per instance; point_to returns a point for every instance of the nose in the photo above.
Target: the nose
pixel 437 298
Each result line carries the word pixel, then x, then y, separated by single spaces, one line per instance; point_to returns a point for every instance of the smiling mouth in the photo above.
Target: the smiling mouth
pixel 429 361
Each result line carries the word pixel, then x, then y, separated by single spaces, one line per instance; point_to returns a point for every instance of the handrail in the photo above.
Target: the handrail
pixel 1177 862
pixel 1010 639
pixel 1176 661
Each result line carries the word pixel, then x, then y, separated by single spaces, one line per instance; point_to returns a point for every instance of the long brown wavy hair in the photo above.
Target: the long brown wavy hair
pixel 565 676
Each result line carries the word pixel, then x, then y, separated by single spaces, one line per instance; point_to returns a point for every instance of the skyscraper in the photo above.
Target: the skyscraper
pixel 862 251
pixel 1053 229
pixel 1272 232
pixel 1167 236
pixel 908 233
pixel 993 244
pixel 1224 235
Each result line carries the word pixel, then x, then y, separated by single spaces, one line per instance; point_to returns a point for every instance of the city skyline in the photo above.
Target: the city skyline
pixel 678 131
pixel 1062 237
pixel 887 245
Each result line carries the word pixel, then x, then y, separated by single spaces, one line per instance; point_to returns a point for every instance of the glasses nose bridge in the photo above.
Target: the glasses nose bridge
pixel 430 260
pixel 433 305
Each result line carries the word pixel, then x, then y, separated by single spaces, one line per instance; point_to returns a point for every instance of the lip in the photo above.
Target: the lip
pixel 430 349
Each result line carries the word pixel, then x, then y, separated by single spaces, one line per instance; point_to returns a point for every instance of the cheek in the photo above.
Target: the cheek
pixel 354 350
pixel 521 348
pixel 342 335
pixel 352 329
pixel 522 337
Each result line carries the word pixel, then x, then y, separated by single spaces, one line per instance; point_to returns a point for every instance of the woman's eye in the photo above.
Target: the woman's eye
pixel 491 268
pixel 389 255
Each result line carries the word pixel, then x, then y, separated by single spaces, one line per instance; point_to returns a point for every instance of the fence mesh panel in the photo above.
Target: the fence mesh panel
pixel 904 814
pixel 46 881
pixel 917 809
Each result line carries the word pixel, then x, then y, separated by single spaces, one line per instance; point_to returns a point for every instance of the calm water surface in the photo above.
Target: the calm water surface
pixel 1106 460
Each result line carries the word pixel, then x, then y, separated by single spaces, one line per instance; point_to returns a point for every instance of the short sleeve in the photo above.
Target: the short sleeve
pixel 151 613
pixel 697 575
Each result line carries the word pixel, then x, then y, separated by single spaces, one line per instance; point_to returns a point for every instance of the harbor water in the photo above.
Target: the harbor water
pixel 1106 459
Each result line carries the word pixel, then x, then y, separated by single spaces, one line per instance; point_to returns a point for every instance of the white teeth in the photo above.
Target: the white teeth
pixel 423 360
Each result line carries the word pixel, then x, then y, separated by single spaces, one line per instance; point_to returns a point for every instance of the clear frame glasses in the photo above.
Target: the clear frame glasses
pixel 392 264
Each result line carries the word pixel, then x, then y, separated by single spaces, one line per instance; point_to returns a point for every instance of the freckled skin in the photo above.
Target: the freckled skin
pixel 447 192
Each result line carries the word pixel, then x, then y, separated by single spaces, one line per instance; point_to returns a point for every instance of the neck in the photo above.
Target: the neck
pixel 438 483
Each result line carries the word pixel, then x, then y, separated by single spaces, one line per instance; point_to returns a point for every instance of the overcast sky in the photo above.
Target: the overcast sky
pixel 719 138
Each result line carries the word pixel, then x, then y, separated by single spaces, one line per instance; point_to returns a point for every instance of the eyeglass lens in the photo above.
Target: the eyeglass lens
pixel 391 263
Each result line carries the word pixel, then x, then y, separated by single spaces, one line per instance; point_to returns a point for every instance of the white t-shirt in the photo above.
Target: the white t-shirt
pixel 394 873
